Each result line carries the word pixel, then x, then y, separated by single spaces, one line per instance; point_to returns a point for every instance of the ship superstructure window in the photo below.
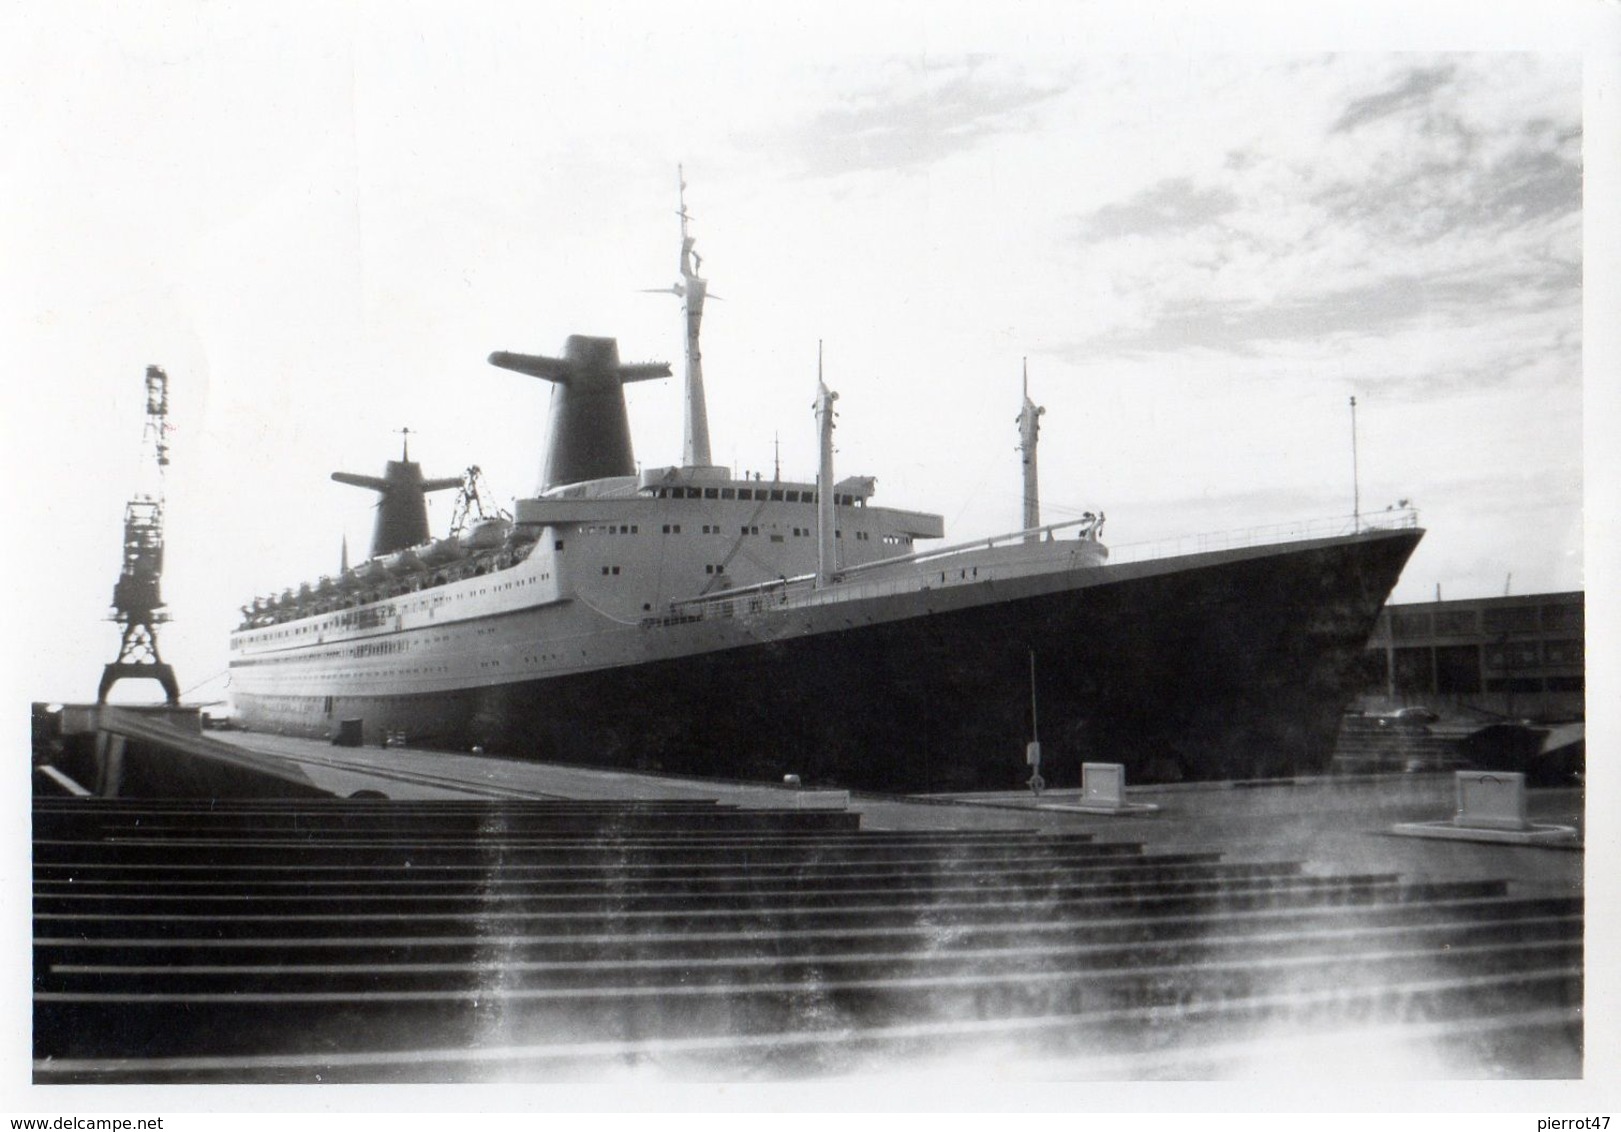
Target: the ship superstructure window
pixel 776 497
pixel 711 493
pixel 672 528
pixel 728 493
pixel 750 530
pixel 606 570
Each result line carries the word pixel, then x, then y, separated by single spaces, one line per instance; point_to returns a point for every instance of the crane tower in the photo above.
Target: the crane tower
pixel 137 604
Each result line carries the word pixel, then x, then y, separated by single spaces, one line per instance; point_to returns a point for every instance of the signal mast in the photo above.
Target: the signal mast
pixel 137 604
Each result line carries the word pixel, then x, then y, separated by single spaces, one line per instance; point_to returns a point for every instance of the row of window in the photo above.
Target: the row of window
pixel 798 532
pixel 373 616
pixel 763 494
pixel 1553 617
pixel 1467 669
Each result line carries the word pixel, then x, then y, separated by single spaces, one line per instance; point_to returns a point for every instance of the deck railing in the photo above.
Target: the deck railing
pixel 801 591
pixel 1303 531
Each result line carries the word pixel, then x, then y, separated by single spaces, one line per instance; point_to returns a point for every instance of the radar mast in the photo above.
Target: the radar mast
pixel 691 290
pixel 1029 430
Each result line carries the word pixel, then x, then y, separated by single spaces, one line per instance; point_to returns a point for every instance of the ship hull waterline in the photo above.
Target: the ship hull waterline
pixel 1232 666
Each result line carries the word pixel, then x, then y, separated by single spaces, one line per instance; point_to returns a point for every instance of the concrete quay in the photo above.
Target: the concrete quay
pixel 1330 824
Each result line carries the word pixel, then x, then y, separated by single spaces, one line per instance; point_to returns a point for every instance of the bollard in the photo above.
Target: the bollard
pixel 1490 807
pixel 1103 791
pixel 1490 800
pixel 1103 784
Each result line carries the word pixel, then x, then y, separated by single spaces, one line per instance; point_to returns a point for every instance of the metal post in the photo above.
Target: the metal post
pixel 1356 485
pixel 1032 752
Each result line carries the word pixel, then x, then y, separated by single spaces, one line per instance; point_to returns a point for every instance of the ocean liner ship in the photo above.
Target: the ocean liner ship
pixel 688 620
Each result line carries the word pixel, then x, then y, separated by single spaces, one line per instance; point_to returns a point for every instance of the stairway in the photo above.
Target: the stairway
pixel 1374 745
pixel 375 941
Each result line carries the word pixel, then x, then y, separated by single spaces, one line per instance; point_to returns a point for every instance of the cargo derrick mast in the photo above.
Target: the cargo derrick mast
pixel 137 603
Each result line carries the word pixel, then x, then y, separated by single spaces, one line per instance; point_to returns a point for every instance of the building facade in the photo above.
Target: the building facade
pixel 1515 657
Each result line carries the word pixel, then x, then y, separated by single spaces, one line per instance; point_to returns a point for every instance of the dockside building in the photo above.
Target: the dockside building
pixel 1517 657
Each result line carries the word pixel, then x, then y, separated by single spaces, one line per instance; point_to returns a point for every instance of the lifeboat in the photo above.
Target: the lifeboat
pixel 402 562
pixel 486 534
pixel 440 551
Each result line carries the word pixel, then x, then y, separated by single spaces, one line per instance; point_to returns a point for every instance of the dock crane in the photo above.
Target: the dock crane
pixel 137 602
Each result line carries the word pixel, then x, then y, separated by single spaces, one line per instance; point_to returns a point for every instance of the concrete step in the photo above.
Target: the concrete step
pixel 266 942
pixel 956 887
pixel 238 1021
pixel 782 916
pixel 802 944
pixel 269 970
pixel 1263 1040
pixel 667 881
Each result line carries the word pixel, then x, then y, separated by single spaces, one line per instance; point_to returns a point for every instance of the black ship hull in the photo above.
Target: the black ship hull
pixel 1229 665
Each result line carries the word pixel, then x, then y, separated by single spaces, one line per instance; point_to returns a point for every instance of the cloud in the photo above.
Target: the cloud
pixel 1415 90
pixel 1422 221
pixel 917 114
pixel 1174 205
pixel 1456 190
pixel 1384 306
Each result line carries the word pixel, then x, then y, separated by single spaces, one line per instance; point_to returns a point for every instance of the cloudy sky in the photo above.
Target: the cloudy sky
pixel 1205 233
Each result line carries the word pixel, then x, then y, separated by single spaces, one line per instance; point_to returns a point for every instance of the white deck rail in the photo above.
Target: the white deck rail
pixel 801 591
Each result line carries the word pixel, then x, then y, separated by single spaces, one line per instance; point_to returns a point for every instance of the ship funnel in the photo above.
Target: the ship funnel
pixel 402 505
pixel 589 433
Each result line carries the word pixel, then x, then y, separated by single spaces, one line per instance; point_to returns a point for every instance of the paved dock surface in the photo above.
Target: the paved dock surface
pixel 1331 824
